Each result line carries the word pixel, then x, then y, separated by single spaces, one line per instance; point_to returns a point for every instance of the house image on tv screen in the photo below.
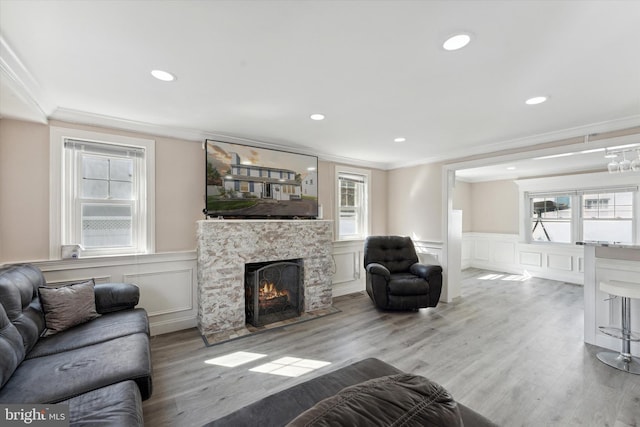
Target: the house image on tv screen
pixel 261 182
pixel 244 181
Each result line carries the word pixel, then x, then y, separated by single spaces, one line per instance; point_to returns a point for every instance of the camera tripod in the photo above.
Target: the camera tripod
pixel 539 221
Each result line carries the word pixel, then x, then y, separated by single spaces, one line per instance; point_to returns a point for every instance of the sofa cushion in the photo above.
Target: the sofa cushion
pixel 112 297
pixel 61 376
pixel 104 328
pixel 68 305
pixel 11 347
pixel 115 405
pixel 403 399
pixel 19 297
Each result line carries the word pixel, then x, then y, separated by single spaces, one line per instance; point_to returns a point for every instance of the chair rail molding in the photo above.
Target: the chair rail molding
pixel 167 283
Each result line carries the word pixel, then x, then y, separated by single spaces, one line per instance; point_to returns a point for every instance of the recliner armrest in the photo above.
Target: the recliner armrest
pixel 379 269
pixel 424 271
pixel 112 297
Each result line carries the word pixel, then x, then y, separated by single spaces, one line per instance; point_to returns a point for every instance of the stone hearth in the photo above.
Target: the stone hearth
pixel 225 246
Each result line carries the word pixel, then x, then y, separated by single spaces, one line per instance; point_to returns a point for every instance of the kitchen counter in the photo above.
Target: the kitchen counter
pixel 604 261
pixel 608 244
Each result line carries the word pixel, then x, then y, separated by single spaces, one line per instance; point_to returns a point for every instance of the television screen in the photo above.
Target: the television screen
pixel 251 182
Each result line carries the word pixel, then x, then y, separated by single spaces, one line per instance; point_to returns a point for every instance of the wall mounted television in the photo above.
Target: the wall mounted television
pixel 251 182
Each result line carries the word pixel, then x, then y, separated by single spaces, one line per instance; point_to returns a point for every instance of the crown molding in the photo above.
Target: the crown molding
pixel 92 119
pixel 22 84
pixel 117 123
pixel 526 142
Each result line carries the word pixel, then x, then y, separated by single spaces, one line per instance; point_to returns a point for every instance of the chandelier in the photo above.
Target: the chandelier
pixel 623 160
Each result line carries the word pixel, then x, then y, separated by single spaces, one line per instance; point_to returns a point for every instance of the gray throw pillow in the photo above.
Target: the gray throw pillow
pixel 67 305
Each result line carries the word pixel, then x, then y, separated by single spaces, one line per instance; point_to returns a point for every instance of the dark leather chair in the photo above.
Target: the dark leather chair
pixel 395 279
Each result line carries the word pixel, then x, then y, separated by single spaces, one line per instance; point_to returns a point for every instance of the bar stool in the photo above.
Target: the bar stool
pixel 623 360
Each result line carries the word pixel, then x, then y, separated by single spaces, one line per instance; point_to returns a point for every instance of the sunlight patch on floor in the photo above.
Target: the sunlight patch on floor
pixel 507 277
pixel 290 366
pixel 235 359
pixel 515 278
pixel 490 277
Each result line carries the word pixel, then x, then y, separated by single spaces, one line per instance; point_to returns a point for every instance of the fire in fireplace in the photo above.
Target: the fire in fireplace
pixel 273 291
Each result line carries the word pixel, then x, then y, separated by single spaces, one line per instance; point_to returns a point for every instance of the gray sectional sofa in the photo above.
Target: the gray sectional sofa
pixel 101 368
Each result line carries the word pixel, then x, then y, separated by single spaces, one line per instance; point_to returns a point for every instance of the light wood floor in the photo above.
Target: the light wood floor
pixel 512 350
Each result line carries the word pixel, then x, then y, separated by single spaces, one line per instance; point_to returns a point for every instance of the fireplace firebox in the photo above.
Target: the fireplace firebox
pixel 273 291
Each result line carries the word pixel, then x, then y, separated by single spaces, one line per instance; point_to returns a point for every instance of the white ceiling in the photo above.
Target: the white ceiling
pixel 257 70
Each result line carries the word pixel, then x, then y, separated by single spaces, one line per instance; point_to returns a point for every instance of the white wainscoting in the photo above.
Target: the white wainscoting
pixel 348 274
pixel 503 252
pixel 167 283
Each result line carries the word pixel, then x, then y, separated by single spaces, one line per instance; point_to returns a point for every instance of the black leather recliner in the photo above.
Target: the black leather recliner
pixel 395 279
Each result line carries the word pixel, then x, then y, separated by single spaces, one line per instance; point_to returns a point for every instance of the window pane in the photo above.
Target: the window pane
pixel 557 231
pixel 352 210
pixel 347 193
pixel 608 205
pixel 106 226
pixel 551 207
pixel 348 225
pixel 95 167
pixel 121 190
pixel 95 189
pixel 609 231
pixel 121 170
pixel 625 212
pixel 551 219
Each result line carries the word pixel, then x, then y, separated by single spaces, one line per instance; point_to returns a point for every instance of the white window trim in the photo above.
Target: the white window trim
pixel 570 185
pixel 367 225
pixel 57 135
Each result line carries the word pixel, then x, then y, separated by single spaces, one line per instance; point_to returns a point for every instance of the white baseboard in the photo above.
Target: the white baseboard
pixel 172 325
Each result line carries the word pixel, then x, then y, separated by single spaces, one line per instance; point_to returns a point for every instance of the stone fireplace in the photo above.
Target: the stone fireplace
pixel 226 247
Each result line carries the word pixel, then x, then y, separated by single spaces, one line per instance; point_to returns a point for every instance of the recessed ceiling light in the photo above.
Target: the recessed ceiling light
pixel 511 168
pixel 165 76
pixel 536 100
pixel 317 116
pixel 456 42
pixel 400 139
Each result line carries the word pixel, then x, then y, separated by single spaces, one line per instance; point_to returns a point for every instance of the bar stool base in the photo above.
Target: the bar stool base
pixel 616 360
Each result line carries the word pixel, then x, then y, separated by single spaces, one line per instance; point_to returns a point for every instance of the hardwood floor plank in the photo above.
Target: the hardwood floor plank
pixel 511 348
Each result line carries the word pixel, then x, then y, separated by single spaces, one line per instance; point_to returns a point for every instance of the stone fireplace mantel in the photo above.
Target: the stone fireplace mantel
pixel 225 246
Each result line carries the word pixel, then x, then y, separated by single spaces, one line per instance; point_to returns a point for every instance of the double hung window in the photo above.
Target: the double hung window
pixel 104 201
pixel 352 205
pixel 606 214
pixel 105 193
pixel 551 218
